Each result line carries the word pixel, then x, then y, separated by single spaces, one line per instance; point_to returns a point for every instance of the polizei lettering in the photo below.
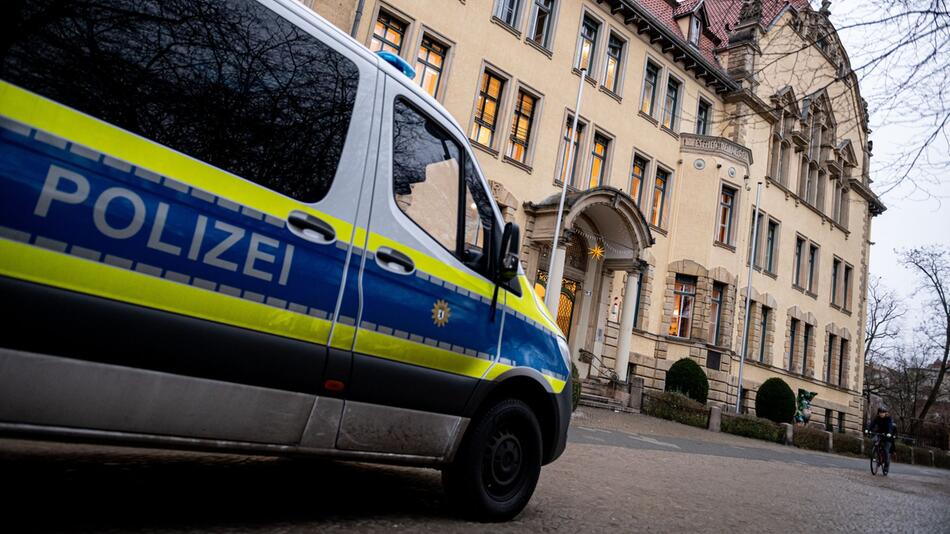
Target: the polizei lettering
pixel 176 230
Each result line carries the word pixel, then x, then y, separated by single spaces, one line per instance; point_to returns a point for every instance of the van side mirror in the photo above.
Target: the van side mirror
pixel 508 256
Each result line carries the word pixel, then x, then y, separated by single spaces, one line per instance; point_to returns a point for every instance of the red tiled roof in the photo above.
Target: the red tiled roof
pixel 722 14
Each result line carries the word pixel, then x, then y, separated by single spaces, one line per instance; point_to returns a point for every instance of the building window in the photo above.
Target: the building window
pixel 588 43
pixel 598 161
pixel 727 201
pixel 771 240
pixel 429 64
pixel 832 341
pixel 812 267
pixel 713 360
pixel 508 11
pixel 716 313
pixel 521 125
pixel 671 107
pixel 684 293
pixel 637 176
pixel 763 329
pixel 747 340
pixel 614 60
pixel 566 141
pixel 792 338
pixel 387 34
pixel 846 288
pixel 702 117
pixel 835 272
pixel 842 356
pixel 695 30
pixel 486 109
pixel 650 80
pixel 799 257
pixel 806 346
pixel 659 196
pixel 755 237
pixel 541 21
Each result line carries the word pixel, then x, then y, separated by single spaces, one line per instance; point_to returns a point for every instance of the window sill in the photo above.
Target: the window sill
pixel 726 246
pixel 611 94
pixel 511 161
pixel 658 230
pixel 810 294
pixel 649 118
pixel 670 132
pixel 483 148
pixel 770 274
pixel 510 29
pixel 798 288
pixel 570 188
pixel 587 78
pixel 539 47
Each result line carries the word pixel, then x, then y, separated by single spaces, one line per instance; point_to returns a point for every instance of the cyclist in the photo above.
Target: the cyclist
pixel 884 425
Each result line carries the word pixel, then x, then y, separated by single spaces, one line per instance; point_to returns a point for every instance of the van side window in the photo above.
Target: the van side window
pixel 428 178
pixel 228 82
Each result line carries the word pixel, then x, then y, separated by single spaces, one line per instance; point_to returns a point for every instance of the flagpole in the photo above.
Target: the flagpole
pixel 748 292
pixel 549 300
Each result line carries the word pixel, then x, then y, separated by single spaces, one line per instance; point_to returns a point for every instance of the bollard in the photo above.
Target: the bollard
pixel 715 418
pixel 789 433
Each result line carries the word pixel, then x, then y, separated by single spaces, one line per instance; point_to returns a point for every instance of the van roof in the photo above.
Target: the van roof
pixel 357 47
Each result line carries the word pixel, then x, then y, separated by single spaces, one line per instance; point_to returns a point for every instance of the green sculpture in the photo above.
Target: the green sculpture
pixel 803 411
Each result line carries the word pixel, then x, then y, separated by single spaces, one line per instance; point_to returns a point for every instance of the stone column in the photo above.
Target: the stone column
pixel 587 305
pixel 552 293
pixel 627 316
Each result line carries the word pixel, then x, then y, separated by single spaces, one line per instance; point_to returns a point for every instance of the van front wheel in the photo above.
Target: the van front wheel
pixel 497 466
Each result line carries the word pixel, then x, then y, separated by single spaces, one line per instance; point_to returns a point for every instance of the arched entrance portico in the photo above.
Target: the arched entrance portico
pixel 603 233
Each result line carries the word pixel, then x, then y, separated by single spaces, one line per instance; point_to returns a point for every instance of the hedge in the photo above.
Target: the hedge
pixel 752 427
pixel 941 459
pixel 904 453
pixel 810 438
pixel 922 455
pixel 847 444
pixel 688 378
pixel 677 407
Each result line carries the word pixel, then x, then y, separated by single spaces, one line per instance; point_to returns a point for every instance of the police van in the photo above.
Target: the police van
pixel 226 225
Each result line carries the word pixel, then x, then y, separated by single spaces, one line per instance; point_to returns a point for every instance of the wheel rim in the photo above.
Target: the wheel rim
pixel 503 463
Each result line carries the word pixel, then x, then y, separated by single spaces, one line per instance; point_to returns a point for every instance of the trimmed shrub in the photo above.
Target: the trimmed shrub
pixel 941 459
pixel 922 455
pixel 686 377
pixel 904 453
pixel 847 444
pixel 675 406
pixel 775 401
pixel 575 387
pixel 810 438
pixel 752 427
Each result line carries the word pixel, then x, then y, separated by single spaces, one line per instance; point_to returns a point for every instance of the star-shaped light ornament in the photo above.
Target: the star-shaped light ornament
pixel 596 251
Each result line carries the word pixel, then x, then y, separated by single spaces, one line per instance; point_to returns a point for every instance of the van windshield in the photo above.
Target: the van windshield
pixel 228 82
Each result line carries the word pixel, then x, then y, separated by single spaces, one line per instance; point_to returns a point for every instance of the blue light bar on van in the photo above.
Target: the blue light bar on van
pixel 398 62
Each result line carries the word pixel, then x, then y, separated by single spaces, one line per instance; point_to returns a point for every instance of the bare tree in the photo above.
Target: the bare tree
pixel 903 383
pixel 881 335
pixel 932 267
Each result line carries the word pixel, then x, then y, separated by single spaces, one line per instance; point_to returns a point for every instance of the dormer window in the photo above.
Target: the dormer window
pixel 695 30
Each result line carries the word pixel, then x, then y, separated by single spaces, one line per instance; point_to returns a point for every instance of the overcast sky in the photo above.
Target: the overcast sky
pixel 913 217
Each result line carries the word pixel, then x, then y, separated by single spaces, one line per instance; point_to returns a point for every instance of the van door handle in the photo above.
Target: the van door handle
pixel 394 261
pixel 311 228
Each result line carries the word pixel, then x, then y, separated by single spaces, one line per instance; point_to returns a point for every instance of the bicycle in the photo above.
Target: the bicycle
pixel 879 457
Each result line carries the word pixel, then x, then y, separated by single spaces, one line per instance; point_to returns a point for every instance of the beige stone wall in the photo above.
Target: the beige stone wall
pixel 685 236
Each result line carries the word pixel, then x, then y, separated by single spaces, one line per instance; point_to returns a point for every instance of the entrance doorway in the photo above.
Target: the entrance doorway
pixel 565 306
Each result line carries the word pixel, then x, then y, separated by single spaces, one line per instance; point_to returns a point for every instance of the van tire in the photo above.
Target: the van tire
pixel 497 466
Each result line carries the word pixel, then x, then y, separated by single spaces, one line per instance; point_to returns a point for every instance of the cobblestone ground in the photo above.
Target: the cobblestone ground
pixel 619 473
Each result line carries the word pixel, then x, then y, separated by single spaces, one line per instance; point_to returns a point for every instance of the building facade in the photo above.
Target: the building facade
pixel 687 106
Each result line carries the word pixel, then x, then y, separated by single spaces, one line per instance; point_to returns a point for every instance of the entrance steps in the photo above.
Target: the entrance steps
pixel 596 393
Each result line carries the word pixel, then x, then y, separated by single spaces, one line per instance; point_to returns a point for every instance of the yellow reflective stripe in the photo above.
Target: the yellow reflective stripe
pixel 342 336
pixel 34 264
pixel 44 114
pixel 501 368
pixel 405 351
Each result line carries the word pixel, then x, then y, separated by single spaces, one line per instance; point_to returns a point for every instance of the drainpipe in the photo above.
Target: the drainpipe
pixel 748 294
pixel 357 17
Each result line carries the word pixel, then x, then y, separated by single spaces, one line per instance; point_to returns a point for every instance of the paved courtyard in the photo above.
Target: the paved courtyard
pixel 620 473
